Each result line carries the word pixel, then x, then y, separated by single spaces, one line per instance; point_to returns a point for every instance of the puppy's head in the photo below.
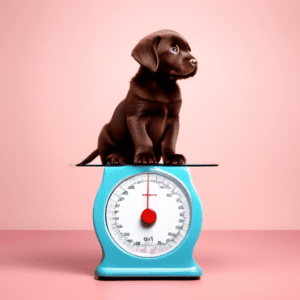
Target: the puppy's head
pixel 168 52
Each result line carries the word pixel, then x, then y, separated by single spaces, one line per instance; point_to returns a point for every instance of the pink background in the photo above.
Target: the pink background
pixel 65 65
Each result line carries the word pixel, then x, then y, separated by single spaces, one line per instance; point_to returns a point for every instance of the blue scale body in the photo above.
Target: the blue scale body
pixel 116 262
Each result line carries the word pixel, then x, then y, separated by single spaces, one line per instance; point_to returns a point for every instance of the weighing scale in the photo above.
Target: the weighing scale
pixel 147 219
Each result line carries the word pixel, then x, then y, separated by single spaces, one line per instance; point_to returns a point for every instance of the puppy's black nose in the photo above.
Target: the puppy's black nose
pixel 193 62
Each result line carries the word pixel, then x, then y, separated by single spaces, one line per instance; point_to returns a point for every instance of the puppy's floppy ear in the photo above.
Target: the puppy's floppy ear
pixel 145 52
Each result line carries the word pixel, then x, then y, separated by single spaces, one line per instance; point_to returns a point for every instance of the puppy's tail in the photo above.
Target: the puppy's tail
pixel 92 156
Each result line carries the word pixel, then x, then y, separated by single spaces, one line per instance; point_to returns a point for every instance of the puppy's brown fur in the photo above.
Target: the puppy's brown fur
pixel 145 124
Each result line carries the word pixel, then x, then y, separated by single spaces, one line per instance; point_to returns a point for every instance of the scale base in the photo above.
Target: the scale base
pixel 103 272
pixel 144 278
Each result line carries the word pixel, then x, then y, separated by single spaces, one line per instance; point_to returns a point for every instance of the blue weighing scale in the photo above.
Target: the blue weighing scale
pixel 147 219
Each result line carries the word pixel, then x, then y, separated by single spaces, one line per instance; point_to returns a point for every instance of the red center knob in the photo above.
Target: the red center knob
pixel 148 216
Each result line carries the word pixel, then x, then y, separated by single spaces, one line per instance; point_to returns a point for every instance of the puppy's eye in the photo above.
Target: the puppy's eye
pixel 175 49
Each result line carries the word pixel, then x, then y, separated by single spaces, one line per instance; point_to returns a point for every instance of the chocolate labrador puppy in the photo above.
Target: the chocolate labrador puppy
pixel 145 124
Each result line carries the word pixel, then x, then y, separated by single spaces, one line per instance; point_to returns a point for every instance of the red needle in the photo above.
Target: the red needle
pixel 148 215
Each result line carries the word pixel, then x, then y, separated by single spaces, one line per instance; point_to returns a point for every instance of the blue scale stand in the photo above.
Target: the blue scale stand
pixel 116 262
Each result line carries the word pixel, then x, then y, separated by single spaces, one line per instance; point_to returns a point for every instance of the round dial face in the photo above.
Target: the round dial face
pixel 149 214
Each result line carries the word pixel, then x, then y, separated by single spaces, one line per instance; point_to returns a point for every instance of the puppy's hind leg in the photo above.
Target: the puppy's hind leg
pixel 108 149
pixel 116 159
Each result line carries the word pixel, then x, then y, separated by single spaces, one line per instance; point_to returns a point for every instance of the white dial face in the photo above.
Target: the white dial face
pixel 149 214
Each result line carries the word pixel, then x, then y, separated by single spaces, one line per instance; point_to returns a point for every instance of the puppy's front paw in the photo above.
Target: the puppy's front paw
pixel 116 159
pixel 175 159
pixel 145 159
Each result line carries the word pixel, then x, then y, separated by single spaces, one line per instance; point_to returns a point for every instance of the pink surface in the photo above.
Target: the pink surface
pixel 65 65
pixel 236 265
